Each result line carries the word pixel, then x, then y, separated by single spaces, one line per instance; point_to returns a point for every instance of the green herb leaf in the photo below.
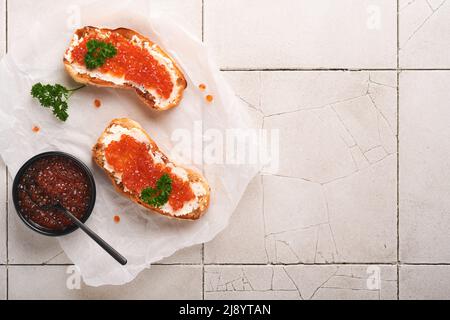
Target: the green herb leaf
pixel 157 197
pixel 97 53
pixel 53 96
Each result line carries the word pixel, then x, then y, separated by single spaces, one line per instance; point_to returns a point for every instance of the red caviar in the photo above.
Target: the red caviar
pixel 97 103
pixel 209 98
pixel 132 62
pixel 131 158
pixel 116 219
pixel 36 129
pixel 202 86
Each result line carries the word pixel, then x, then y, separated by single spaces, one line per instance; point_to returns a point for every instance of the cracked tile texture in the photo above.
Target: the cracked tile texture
pixel 349 205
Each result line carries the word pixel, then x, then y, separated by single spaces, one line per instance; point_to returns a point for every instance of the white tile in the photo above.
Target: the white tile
pixel 340 136
pixel 431 282
pixel 290 91
pixel 340 132
pixel 424 36
pixel 3 283
pixel 352 219
pixel 26 246
pixel 295 213
pixel 187 13
pixel 363 213
pixel 301 282
pixel 308 90
pixel 246 228
pixel 192 255
pixel 243 240
pixel 424 167
pixel 159 282
pixel 248 282
pixel 302 33
pixel 334 197
pixel 246 85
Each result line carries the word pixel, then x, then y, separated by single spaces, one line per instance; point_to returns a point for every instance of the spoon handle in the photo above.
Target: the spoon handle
pixel 102 243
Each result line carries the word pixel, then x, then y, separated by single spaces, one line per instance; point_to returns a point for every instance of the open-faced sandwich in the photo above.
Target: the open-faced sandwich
pixel 123 58
pixel 140 171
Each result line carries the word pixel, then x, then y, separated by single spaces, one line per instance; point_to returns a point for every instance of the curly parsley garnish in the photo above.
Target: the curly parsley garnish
pixel 54 96
pixel 157 197
pixel 97 53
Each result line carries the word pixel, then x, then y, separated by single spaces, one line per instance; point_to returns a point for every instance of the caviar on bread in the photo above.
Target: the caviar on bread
pixel 142 172
pixel 123 58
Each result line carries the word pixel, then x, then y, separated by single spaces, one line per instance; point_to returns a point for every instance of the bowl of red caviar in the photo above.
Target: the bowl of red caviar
pixel 49 177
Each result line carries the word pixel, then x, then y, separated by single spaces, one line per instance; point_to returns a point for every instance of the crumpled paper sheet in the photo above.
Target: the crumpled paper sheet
pixel 35 54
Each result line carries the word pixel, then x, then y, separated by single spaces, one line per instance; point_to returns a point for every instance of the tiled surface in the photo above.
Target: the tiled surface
pixel 3 283
pixel 246 232
pixel 332 78
pixel 424 26
pixel 191 255
pixel 187 11
pixel 425 282
pixel 58 282
pixel 302 33
pixel 424 167
pixel 301 282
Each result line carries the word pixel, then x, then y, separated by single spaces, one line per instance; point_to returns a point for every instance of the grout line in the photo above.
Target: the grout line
pixel 203 271
pixel 37 265
pixel 7 174
pixel 302 264
pixel 398 148
pixel 256 264
pixel 393 264
pixel 203 20
pixel 330 69
pixel 314 264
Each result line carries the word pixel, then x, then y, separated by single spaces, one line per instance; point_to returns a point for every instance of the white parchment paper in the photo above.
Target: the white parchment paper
pixel 35 55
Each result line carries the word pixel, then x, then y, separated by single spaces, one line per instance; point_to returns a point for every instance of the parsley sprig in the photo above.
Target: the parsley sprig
pixel 54 96
pixel 157 197
pixel 97 53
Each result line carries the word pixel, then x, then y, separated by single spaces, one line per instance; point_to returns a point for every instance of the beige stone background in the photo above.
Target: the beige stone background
pixel 359 90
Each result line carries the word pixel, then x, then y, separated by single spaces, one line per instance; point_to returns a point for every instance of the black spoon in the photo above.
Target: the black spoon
pixel 102 243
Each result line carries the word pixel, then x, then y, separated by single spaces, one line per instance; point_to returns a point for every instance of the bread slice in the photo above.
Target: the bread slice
pixel 115 129
pixel 148 94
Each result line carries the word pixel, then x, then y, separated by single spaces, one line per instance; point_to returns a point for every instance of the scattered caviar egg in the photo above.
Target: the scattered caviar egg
pixel 97 103
pixel 209 98
pixel 202 86
pixel 116 219
pixel 36 129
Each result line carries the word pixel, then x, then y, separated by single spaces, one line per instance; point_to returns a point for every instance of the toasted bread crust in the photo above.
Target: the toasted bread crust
pixel 179 85
pixel 98 156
